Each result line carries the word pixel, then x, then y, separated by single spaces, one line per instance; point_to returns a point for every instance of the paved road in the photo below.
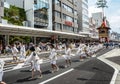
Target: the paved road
pixel 90 71
pixel 115 59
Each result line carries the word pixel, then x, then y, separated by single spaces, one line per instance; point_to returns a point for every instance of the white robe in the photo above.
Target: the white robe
pixel 37 50
pixel 53 56
pixel 1 69
pixel 78 53
pixel 14 51
pixel 35 60
pixel 67 53
pixel 22 52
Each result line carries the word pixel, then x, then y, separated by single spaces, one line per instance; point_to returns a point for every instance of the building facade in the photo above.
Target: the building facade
pixel 65 16
pixel 38 12
pixel 93 30
pixel 42 14
pixel 114 36
pixel 1 9
pixel 98 18
pixel 83 19
pixel 58 15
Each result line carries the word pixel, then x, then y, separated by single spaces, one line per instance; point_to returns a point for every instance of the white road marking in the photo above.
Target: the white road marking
pixel 112 64
pixel 56 76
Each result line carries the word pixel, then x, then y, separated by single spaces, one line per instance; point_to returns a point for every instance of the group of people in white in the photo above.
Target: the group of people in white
pixel 31 56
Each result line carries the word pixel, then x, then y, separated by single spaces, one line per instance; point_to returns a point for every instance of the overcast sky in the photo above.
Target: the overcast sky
pixel 112 12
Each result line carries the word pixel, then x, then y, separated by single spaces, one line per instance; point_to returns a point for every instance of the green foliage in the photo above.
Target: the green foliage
pixel 14 15
pixel 22 39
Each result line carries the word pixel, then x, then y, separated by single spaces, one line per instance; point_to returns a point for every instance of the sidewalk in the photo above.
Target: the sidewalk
pixel 112 59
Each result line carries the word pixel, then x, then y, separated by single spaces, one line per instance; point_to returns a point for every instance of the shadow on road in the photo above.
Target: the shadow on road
pixel 25 71
pixel 46 72
pixel 26 79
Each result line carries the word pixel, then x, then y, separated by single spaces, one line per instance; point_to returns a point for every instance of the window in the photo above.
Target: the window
pixel 75 20
pixel 85 11
pixel 68 28
pixel 75 2
pixel 75 12
pixel 57 26
pixel 41 13
pixel 41 4
pixel 67 8
pixel 1 4
pixel 84 5
pixel 71 1
pixel 85 17
pixel 57 2
pixel 64 16
pixel 67 18
pixel 75 30
pixel 57 14
pixel 86 1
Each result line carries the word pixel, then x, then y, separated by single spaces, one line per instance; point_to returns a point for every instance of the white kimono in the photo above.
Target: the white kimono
pixel 14 51
pixel 53 56
pixel 35 60
pixel 78 53
pixel 37 50
pixel 22 52
pixel 67 53
pixel 1 69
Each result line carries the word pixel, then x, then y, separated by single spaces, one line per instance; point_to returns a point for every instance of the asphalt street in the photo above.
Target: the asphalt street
pixel 90 71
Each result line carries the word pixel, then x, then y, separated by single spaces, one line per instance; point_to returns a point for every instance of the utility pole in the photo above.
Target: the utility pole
pixel 102 4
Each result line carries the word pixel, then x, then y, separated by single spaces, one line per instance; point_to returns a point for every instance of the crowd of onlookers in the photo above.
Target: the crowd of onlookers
pixel 112 44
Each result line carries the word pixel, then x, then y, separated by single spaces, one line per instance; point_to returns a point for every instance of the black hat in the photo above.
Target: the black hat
pixel 32 48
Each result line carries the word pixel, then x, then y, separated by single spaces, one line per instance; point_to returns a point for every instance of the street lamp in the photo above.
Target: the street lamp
pixel 102 4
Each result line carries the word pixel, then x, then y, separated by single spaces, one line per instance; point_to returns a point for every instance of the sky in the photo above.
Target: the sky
pixel 112 13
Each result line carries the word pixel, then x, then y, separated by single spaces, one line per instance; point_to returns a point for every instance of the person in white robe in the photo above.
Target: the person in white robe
pixel 37 49
pixel 14 52
pixel 35 60
pixel 1 71
pixel 53 58
pixel 79 52
pixel 22 52
pixel 67 55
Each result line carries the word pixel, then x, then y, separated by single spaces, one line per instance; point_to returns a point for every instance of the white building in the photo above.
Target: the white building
pixel 98 18
pixel 93 30
pixel 83 19
pixel 34 10
pixel 1 9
